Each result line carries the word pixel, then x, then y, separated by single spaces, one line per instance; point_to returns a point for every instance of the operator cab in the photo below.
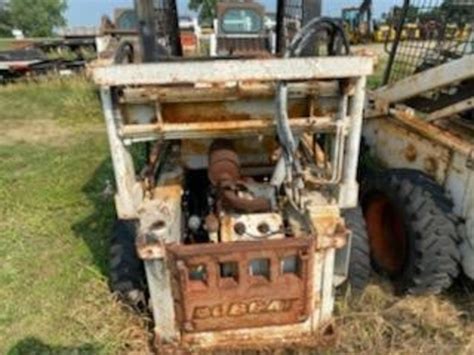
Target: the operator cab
pixel 241 30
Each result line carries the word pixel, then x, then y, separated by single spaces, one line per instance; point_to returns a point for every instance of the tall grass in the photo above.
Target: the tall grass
pixel 5 44
pixel 69 99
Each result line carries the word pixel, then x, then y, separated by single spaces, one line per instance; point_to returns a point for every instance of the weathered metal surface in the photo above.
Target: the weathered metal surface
pixel 349 189
pixel 327 224
pixel 457 70
pixel 241 110
pixel 452 110
pixel 220 71
pixel 223 129
pixel 244 297
pixel 160 211
pixel 404 140
pixel 214 111
pixel 448 138
pixel 160 215
pixel 160 221
pixel 397 146
pixel 268 338
pixel 224 163
pixel 129 194
pixel 230 198
pixel 215 107
pixel 237 91
pixel 266 285
pixel 161 299
pixel 194 153
pixel 258 226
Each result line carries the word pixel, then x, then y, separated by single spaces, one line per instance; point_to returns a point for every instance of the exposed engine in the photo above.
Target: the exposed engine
pixel 223 206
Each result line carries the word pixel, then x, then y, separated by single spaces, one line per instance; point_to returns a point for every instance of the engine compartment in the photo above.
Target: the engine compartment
pixel 223 205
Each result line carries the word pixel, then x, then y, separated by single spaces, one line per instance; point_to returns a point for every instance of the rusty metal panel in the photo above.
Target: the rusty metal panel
pixel 209 298
pixel 398 147
pixel 444 151
pixel 322 90
pixel 232 129
pixel 450 111
pixel 414 85
pixel 221 71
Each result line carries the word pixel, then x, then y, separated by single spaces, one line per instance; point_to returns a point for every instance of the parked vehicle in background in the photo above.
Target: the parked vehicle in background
pixel 190 33
pixel 124 28
pixel 240 29
pixel 358 22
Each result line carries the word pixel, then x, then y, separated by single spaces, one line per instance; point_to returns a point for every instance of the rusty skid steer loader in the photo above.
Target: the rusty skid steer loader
pixel 236 214
pixel 419 206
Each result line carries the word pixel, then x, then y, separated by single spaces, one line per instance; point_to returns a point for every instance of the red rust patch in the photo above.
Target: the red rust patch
pixel 210 299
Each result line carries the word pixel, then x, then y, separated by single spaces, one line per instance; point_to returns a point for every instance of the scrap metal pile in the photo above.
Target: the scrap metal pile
pixel 64 55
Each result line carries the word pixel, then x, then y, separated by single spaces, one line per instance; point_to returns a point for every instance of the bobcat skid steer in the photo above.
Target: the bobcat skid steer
pixel 420 208
pixel 232 177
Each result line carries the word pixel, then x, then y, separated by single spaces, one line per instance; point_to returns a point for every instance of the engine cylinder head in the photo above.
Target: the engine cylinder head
pixel 224 163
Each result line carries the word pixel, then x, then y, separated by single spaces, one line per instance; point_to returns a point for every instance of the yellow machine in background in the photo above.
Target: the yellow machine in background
pixel 383 32
pixel 358 22
pixel 411 32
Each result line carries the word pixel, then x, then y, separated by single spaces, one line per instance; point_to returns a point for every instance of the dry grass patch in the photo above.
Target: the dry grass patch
pixel 380 323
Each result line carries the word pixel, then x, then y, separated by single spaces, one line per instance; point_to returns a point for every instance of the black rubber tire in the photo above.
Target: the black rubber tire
pixel 432 254
pixel 127 273
pixel 359 262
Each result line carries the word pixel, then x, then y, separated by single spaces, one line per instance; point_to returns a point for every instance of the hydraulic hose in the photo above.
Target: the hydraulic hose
pixel 124 53
pixel 337 45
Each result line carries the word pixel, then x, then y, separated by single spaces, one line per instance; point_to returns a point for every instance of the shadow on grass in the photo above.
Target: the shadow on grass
pixel 462 296
pixel 95 228
pixel 33 345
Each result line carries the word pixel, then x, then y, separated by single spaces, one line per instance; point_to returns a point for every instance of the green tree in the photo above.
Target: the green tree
pixel 38 18
pixel 205 8
pixel 5 24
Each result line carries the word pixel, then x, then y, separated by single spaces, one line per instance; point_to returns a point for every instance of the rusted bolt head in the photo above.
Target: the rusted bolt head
pixel 158 226
pixel 431 165
pixel 263 228
pixel 411 153
pixel 240 228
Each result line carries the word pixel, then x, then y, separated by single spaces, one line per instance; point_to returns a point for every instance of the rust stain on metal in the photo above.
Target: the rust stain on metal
pixel 417 149
pixel 411 153
pixel 224 164
pixel 212 299
pixel 431 165
pixel 323 337
pixel 330 228
pixel 219 112
pixel 254 205
pixel 431 132
pixel 201 112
